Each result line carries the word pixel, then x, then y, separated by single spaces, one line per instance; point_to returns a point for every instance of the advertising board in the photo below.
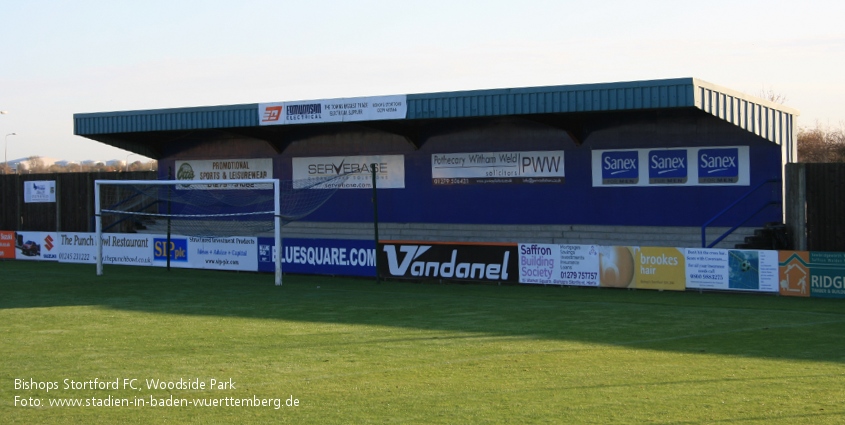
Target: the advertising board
pixel 449 261
pixel 224 169
pixel 340 257
pixel 827 274
pixel 223 253
pixel 7 244
pixel 554 264
pixel 36 246
pixel 540 167
pixel 693 166
pixel 39 191
pixel 732 270
pixel 372 108
pixel 358 171
pixel 129 249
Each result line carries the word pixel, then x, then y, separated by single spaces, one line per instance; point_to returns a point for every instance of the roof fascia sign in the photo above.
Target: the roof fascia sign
pixel 333 110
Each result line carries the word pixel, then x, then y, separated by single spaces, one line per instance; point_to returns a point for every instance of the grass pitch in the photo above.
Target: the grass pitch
pixel 352 351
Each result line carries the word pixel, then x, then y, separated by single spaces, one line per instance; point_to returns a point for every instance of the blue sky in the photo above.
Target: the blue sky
pixel 59 58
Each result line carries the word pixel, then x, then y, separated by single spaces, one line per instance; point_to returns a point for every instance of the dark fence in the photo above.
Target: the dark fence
pixel 73 210
pixel 815 203
pixel 816 206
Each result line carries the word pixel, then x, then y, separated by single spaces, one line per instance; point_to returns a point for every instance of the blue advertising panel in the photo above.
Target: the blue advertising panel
pixel 178 251
pixel 620 167
pixel 342 257
pixel 667 166
pixel 718 165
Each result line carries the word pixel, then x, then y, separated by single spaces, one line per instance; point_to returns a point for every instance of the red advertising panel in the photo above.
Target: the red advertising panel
pixel 7 244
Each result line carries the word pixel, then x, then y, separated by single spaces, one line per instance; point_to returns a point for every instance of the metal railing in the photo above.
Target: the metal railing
pixel 726 209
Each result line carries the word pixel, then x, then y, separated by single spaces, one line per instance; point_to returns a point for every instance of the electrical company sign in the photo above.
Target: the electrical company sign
pixel 333 110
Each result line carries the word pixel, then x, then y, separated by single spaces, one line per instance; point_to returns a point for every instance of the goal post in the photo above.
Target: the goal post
pixel 202 207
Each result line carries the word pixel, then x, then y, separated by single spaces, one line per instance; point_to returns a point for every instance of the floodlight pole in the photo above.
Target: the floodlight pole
pixel 375 217
pixel 6 151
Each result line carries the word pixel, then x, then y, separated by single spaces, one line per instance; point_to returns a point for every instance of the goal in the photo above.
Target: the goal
pixel 204 208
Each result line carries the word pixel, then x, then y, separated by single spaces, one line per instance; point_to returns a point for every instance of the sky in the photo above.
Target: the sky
pixel 58 58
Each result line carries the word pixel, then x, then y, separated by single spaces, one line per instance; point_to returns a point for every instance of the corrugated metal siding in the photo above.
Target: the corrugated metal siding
pixel 166 120
pixel 765 119
pixel 770 121
pixel 553 100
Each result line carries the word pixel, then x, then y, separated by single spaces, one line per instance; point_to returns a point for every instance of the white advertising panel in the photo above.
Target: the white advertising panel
pixel 333 110
pixel 36 246
pixel 39 191
pixel 230 253
pixel 224 169
pixel 498 167
pixel 697 166
pixel 358 171
pixel 129 249
pixel 219 253
pixel 552 264
pixel 732 269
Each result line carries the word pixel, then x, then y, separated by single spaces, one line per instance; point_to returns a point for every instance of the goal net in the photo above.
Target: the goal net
pixel 206 208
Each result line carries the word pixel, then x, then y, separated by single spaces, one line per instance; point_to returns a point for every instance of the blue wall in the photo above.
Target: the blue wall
pixel 574 202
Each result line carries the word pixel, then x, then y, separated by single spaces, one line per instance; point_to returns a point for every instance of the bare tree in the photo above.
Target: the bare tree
pixel 821 144
pixel 772 96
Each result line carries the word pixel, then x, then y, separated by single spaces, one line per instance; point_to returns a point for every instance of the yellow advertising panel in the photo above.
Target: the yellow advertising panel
pixel 616 266
pixel 794 273
pixel 659 268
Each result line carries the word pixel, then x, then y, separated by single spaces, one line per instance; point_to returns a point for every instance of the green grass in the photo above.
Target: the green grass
pixel 352 351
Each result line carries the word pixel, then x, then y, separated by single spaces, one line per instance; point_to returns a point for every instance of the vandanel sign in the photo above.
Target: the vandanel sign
pixel 449 261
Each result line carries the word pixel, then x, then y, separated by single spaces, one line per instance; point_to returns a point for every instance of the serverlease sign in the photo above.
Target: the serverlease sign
pixel 358 172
